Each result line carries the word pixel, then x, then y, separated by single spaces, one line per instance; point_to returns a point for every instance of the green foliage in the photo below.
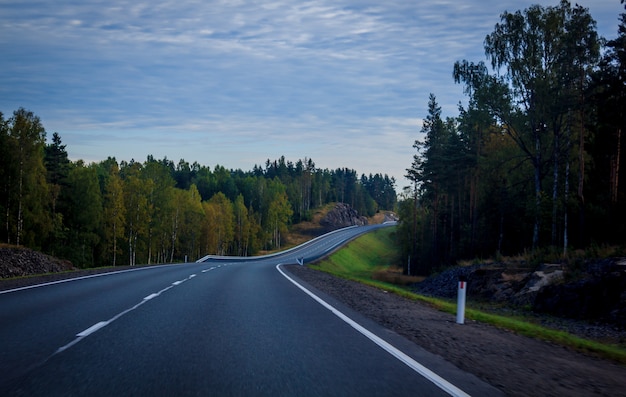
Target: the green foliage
pixel 57 170
pixel 84 215
pixel 278 213
pixel 24 192
pixel 245 229
pixel 532 162
pixel 113 213
pixel 437 177
pixel 219 228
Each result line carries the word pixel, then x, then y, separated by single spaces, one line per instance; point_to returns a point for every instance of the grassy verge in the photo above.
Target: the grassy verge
pixel 373 254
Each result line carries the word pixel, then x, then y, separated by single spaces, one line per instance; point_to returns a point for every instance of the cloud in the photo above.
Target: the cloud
pixel 236 82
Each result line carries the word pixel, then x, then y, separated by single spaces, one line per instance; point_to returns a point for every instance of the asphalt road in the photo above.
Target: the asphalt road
pixel 223 327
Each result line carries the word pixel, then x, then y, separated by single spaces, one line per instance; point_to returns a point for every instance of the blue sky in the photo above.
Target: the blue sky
pixel 234 83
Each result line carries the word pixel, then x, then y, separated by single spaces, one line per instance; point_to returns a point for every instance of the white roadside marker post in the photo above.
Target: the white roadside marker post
pixel 460 306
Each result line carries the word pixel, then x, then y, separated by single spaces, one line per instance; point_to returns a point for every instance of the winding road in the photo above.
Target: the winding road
pixel 220 327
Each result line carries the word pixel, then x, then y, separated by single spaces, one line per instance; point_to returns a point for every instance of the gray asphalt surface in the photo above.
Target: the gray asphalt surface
pixel 217 328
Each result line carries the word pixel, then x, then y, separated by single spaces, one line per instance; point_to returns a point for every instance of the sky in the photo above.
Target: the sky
pixel 234 83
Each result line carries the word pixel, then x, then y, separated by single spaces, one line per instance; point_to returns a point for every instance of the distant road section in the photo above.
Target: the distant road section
pixel 225 326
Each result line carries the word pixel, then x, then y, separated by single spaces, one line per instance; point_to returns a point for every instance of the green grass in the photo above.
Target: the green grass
pixel 362 258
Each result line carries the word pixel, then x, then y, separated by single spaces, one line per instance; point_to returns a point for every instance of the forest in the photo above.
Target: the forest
pixel 532 164
pixel 125 213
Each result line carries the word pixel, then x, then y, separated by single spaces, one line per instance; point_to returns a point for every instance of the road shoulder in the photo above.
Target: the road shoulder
pixel 510 362
pixel 463 380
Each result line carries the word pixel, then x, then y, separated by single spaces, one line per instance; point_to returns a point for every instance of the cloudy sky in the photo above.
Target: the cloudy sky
pixel 344 82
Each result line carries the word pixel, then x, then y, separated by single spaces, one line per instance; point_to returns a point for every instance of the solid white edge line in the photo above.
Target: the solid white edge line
pixel 414 365
pixel 67 280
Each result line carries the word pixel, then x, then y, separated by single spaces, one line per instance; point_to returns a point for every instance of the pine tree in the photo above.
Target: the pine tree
pixel 57 167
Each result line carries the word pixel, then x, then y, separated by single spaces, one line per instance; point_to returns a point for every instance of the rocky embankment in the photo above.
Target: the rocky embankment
pixel 20 262
pixel 594 292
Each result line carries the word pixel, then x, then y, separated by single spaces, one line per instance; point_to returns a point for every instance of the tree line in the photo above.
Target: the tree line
pixel 113 213
pixel 532 162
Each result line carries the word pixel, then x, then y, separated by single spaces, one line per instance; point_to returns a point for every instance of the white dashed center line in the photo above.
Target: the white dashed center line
pixel 92 329
pixel 103 324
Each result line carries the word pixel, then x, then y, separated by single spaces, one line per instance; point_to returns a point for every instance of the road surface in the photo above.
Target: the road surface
pixel 222 327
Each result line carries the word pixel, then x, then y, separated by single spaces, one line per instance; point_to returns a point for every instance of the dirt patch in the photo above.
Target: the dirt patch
pixel 518 365
pixel 394 275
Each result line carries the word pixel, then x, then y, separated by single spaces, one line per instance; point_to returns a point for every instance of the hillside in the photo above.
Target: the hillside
pixel 328 218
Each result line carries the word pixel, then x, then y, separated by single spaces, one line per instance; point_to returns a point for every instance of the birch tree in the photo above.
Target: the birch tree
pixel 533 48
pixel 219 224
pixel 138 210
pixel 279 213
pixel 26 190
pixel 114 212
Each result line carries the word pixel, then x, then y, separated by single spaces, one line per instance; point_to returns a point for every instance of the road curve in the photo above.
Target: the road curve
pixel 223 327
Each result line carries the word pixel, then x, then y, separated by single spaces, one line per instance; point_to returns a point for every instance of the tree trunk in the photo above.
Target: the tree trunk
pixel 452 245
pixel 8 213
pixel 615 168
pixel 435 224
pixel 413 240
pixel 114 241
pixel 20 198
pixel 149 245
pixel 566 192
pixel 537 167
pixel 581 178
pixel 173 236
pixel 130 247
pixel 555 189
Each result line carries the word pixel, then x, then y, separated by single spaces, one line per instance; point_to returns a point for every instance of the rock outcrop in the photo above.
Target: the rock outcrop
pixel 342 216
pixel 600 294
